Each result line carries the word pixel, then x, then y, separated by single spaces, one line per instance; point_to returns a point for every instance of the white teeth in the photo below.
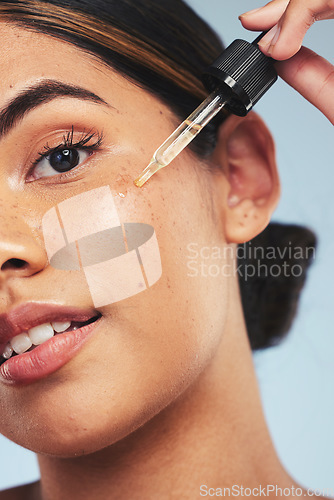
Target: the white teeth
pixel 8 351
pixel 35 336
pixel 41 333
pixel 21 343
pixel 60 326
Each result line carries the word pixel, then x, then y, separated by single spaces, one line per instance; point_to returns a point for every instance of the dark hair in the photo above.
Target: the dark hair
pixel 163 46
pixel 272 272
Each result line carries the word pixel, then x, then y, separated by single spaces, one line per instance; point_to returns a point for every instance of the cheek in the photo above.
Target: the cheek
pixel 151 345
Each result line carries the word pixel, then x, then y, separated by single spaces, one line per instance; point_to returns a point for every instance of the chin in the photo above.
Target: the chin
pixel 88 406
pixel 68 438
pixel 69 428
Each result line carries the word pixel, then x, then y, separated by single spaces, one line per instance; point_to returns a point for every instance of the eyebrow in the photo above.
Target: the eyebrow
pixel 32 97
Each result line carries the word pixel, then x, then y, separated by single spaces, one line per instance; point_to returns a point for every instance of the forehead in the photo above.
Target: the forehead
pixel 28 57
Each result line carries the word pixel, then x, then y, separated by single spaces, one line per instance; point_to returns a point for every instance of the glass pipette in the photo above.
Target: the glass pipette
pixel 237 79
pixel 183 135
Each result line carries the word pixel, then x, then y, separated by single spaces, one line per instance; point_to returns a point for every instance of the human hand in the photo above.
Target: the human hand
pixel 311 75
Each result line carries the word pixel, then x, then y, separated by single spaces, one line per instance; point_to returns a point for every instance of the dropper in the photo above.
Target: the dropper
pixel 237 79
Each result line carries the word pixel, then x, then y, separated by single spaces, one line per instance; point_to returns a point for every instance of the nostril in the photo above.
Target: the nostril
pixel 12 264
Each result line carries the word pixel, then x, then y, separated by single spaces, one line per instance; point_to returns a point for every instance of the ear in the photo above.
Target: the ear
pixel 245 152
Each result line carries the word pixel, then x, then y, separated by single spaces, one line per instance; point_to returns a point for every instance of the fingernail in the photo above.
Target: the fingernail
pixel 270 39
pixel 250 12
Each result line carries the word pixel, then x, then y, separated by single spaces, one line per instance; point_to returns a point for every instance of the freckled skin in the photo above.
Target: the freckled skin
pixel 134 347
pixel 121 184
pixel 154 389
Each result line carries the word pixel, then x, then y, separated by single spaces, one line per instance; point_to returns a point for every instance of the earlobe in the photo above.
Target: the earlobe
pixel 246 152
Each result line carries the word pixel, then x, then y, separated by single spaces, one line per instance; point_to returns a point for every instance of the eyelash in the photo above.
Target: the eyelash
pixel 67 143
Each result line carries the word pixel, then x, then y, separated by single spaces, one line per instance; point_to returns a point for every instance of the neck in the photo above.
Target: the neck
pixel 214 434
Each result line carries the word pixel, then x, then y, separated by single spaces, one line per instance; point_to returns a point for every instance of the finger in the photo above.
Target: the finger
pixel 326 14
pixel 313 77
pixel 286 37
pixel 264 17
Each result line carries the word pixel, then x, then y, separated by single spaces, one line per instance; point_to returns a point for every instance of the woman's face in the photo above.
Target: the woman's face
pixel 148 347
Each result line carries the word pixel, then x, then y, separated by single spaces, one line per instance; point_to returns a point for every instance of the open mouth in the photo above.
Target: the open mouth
pixel 30 339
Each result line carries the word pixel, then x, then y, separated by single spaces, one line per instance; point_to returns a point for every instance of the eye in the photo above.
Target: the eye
pixel 64 159
pixel 66 156
pixel 60 160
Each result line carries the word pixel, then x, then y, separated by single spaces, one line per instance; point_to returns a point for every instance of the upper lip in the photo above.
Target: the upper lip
pixel 28 315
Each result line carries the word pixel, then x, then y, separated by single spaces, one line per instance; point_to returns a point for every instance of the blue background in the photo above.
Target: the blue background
pixel 297 377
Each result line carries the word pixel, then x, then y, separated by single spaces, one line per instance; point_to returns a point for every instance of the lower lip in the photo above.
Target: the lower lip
pixel 47 357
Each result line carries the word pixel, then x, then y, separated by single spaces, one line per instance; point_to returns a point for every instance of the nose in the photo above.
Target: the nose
pixel 21 254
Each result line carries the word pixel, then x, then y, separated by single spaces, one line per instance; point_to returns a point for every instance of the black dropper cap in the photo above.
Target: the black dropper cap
pixel 243 73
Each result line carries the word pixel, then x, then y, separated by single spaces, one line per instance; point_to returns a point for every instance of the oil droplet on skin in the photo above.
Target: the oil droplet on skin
pixel 122 183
